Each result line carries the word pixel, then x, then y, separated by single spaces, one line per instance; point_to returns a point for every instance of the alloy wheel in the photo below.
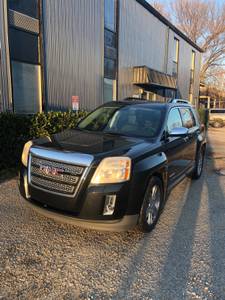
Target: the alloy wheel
pixel 152 210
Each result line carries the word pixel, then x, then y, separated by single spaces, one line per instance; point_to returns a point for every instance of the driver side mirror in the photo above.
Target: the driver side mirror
pixel 180 131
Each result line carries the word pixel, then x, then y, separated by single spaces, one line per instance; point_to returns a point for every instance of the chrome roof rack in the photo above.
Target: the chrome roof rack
pixel 179 101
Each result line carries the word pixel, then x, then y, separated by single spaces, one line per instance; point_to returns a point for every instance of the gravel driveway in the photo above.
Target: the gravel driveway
pixel 183 258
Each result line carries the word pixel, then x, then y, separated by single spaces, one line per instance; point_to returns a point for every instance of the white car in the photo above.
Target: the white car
pixel 217 117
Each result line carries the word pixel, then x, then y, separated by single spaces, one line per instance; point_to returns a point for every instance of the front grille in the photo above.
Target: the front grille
pixel 56 177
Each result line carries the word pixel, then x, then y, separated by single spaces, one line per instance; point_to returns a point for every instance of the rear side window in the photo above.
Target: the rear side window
pixel 174 120
pixel 187 117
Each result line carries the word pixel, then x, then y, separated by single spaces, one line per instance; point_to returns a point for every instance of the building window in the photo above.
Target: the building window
pixel 109 68
pixel 192 75
pixel 24 46
pixel 26 79
pixel 110 15
pixel 176 47
pixel 27 7
pixel 25 62
pixel 109 90
pixel 110 50
pixel 193 60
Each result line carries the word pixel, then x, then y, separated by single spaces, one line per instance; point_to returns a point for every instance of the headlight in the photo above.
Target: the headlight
pixel 25 153
pixel 112 170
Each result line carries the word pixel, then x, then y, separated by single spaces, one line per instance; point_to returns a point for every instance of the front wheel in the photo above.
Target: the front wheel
pixel 151 206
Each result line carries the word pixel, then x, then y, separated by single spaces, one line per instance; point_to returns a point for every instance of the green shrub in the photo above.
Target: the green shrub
pixel 53 122
pixel 16 130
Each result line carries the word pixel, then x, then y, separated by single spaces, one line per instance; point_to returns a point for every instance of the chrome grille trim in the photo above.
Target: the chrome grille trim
pixel 63 177
pixel 74 167
pixel 73 170
pixel 71 158
pixel 52 185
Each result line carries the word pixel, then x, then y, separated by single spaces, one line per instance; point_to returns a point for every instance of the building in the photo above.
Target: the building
pixel 56 53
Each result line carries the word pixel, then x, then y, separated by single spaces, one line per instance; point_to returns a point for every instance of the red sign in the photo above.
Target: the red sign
pixel 75 102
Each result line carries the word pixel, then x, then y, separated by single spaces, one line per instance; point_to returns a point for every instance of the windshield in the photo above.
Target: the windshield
pixel 130 120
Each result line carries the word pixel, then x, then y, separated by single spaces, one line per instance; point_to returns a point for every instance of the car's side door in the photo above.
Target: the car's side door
pixel 189 122
pixel 174 146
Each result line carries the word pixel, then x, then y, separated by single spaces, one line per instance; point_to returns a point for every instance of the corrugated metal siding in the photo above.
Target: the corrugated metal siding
pixel 145 40
pixel 142 41
pixel 5 75
pixel 74 47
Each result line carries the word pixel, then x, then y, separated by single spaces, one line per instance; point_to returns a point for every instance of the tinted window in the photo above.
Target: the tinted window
pixel 27 7
pixel 174 120
pixel 130 120
pixel 187 117
pixel 23 46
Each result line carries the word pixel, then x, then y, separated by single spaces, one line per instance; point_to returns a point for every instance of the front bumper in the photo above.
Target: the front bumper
pixel 124 224
pixel 87 212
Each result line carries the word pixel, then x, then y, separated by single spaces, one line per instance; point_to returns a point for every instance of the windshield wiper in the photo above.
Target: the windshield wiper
pixel 115 133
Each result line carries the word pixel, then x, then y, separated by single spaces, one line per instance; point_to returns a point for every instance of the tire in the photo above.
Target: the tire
pixel 151 206
pixel 199 163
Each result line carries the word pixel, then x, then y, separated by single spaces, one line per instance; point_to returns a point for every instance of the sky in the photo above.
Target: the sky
pixel 169 1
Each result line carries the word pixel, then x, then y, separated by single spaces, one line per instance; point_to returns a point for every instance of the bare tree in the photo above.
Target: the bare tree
pixel 160 8
pixel 217 77
pixel 203 21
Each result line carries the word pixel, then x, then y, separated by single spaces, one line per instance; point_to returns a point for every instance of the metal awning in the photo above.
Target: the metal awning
pixel 148 78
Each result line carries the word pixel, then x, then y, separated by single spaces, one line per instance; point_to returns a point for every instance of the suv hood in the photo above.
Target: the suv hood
pixel 94 143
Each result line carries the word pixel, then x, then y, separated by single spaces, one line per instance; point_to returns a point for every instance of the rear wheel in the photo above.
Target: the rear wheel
pixel 151 206
pixel 198 164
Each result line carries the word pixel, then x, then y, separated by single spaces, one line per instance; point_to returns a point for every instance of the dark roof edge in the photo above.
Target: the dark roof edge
pixel 152 10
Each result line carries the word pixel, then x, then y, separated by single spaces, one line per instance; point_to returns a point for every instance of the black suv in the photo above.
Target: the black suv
pixel 115 169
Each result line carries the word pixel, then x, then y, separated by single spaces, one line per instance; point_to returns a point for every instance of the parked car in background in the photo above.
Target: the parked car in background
pixel 217 117
pixel 116 168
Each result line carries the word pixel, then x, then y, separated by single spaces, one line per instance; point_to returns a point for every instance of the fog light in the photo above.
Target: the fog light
pixel 110 201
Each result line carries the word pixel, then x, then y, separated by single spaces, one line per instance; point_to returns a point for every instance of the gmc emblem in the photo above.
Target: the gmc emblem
pixel 47 170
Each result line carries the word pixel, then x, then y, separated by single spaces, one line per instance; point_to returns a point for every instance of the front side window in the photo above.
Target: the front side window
pixel 174 120
pixel 187 117
pixel 125 120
